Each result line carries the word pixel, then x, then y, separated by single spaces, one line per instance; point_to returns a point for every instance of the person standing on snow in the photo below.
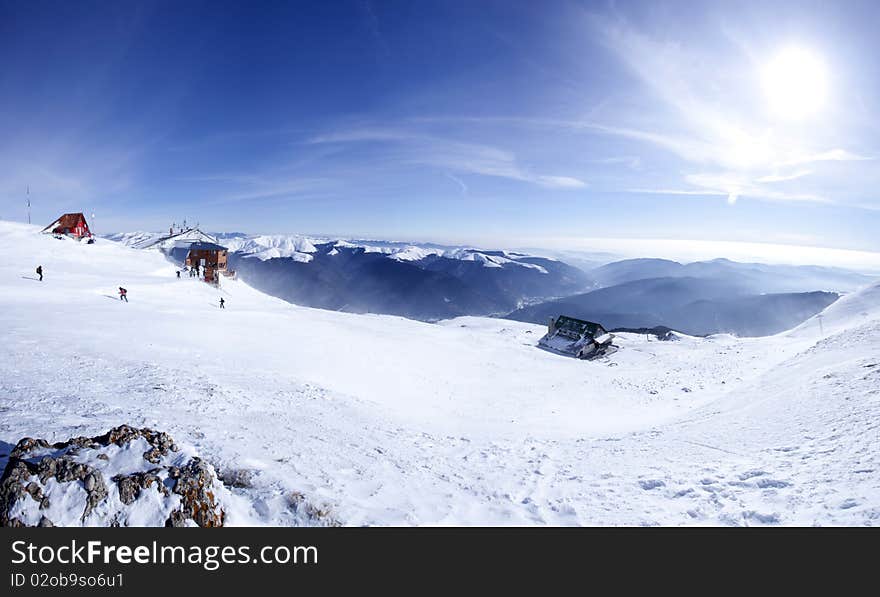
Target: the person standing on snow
pixel 222 303
pixel 178 274
pixel 123 294
pixel 40 272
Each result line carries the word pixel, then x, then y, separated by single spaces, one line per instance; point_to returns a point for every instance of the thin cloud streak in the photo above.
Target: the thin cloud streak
pixel 458 181
pixel 438 152
pixel 784 177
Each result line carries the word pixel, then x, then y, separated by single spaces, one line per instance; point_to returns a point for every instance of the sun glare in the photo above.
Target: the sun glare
pixel 795 83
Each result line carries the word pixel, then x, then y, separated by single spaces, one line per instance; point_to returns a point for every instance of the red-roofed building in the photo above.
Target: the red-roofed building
pixel 73 225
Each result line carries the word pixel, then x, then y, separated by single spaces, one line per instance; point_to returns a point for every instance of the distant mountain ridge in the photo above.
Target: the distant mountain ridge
pixel 408 280
pixel 754 277
pixel 302 248
pixel 431 282
pixel 697 306
pixel 422 281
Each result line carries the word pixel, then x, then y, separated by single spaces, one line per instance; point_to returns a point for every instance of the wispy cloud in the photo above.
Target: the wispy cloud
pixel 366 133
pixel 736 185
pixel 632 162
pixel 447 154
pixel 708 121
pixel 733 186
pixel 72 168
pixel 832 155
pixel 63 179
pixel 237 188
pixel 560 182
pixel 783 177
pixel 738 150
pixel 665 191
pixel 458 181
pixel 748 164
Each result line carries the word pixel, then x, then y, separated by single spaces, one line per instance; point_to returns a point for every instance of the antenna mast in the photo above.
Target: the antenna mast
pixel 29 203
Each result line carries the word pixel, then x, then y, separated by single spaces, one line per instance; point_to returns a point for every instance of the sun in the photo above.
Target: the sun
pixel 795 83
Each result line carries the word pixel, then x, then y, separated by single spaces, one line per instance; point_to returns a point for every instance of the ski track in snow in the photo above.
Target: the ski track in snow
pixel 380 420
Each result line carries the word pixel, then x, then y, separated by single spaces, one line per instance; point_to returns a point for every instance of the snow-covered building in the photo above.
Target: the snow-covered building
pixel 576 337
pixel 210 257
pixel 73 225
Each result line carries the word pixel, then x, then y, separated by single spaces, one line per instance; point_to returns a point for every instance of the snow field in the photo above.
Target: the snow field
pixel 373 419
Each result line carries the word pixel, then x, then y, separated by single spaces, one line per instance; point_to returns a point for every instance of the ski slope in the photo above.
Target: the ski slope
pixel 372 419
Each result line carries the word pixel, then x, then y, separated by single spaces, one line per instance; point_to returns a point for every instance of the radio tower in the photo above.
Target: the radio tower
pixel 29 203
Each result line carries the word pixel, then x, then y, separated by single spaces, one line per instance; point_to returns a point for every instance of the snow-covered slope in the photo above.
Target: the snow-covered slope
pixel 847 312
pixel 382 420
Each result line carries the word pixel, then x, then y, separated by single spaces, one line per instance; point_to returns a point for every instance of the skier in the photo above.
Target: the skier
pixel 123 294
pixel 178 274
pixel 222 303
pixel 40 272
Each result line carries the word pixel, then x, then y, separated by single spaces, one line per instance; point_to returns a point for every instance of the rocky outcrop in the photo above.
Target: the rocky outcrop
pixel 126 477
pixel 194 483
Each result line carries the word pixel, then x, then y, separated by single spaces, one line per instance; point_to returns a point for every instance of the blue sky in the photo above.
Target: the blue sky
pixel 486 122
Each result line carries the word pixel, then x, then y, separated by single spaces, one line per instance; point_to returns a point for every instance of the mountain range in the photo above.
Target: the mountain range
pixel 704 297
pixel 419 282
pixel 431 282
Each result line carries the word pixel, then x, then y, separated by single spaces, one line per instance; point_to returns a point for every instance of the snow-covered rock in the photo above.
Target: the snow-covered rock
pixel 126 477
